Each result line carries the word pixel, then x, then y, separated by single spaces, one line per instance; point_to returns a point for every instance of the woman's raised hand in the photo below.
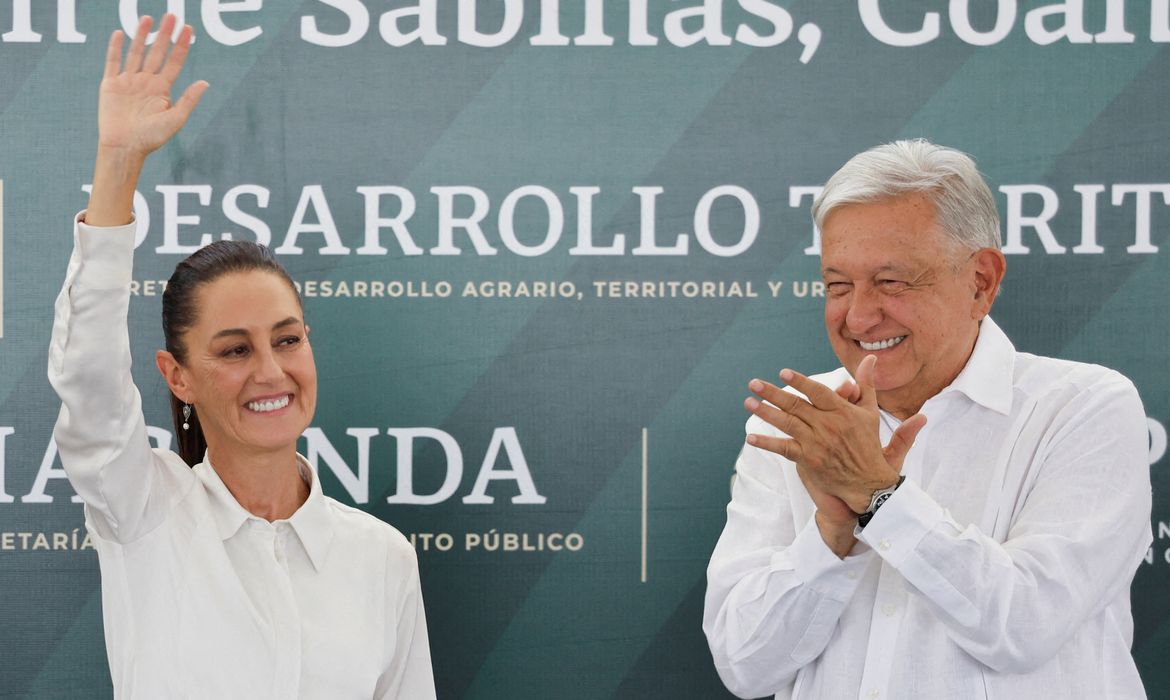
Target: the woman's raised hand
pixel 135 112
pixel 136 115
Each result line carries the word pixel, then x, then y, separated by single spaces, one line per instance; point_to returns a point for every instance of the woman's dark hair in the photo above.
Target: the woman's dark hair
pixel 179 313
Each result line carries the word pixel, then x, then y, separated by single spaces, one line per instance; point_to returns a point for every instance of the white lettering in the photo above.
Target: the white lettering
pixel 871 17
pixel 356 484
pixel 214 25
pixel 647 245
pixel 44 473
pixel 796 195
pixel 359 24
pixel 960 15
pixel 506 438
pixel 1141 194
pixel 172 220
pixel 233 213
pixel 751 220
pixel 453 463
pixel 5 431
pixel 556 221
pixel 448 221
pixel 468 26
pixel 1157 440
pixel 313 195
pixel 1016 221
pixel 585 245
pixel 710 16
pixel 427 30
pixel 375 222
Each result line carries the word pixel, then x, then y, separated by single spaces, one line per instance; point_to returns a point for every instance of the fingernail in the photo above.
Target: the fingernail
pixel 751 404
pixel 751 439
pixel 786 375
pixel 756 385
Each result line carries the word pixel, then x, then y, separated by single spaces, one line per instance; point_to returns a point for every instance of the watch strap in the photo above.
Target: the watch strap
pixel 879 497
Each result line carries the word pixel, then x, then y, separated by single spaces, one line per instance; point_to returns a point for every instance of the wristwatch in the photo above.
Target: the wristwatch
pixel 879 497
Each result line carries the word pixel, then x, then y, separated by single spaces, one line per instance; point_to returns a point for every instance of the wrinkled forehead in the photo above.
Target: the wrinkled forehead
pixel 898 233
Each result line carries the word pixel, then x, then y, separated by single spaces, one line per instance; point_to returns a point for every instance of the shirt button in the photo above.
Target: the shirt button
pixel 889 609
pixel 884 545
pixel 874 692
pixel 852 575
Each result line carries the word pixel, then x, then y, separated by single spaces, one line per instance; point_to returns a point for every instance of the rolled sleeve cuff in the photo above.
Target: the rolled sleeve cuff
pixel 901 523
pixel 820 569
pixel 105 254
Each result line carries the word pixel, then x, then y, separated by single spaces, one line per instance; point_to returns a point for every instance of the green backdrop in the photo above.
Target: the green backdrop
pixel 565 147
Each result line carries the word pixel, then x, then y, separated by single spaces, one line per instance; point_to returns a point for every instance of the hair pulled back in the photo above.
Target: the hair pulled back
pixel 180 312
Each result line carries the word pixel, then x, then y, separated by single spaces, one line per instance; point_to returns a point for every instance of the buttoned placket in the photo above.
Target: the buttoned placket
pixel 884 621
pixel 286 618
pixel 889 609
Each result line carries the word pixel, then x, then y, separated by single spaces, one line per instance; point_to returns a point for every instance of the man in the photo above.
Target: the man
pixel 988 549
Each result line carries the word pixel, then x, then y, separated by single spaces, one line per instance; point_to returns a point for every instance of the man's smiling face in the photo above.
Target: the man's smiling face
pixel 900 288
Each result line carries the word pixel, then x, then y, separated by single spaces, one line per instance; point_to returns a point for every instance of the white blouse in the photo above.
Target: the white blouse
pixel 999 569
pixel 200 598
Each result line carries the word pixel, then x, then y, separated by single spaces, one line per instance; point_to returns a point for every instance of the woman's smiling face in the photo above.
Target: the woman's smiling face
pixel 249 368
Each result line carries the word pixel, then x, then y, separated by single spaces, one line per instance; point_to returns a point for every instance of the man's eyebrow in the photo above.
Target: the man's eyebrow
pixel 290 321
pixel 889 267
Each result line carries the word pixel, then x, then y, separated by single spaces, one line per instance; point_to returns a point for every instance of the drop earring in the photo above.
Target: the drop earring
pixel 186 416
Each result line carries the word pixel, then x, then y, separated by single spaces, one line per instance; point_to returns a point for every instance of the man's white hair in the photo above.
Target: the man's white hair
pixel 963 202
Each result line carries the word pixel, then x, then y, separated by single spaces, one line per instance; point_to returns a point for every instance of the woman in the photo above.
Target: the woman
pixel 234 577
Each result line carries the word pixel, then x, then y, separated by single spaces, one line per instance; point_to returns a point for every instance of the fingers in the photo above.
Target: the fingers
pixel 849 391
pixel 188 100
pixel 783 421
pixel 865 382
pixel 789 449
pixel 784 400
pixel 154 59
pixel 137 46
pixel 818 394
pixel 178 55
pixel 903 440
pixel 114 54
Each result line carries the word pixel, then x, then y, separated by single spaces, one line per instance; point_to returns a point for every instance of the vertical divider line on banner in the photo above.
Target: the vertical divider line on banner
pixel 645 484
pixel 1 258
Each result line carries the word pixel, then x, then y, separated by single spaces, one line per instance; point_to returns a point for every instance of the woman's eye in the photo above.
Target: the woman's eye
pixel 289 340
pixel 235 351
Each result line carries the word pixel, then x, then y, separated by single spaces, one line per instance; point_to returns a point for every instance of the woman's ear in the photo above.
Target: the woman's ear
pixel 175 375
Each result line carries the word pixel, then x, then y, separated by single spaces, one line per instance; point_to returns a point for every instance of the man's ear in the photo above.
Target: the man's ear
pixel 990 267
pixel 175 375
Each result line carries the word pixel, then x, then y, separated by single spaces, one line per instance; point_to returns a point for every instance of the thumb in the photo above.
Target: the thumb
pixel 186 103
pixel 903 440
pixel 868 394
pixel 849 391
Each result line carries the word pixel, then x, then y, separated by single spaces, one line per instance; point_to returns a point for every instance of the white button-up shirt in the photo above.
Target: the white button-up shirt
pixel 200 598
pixel 999 569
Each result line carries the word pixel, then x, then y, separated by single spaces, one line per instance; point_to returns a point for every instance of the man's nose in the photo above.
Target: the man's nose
pixel 865 310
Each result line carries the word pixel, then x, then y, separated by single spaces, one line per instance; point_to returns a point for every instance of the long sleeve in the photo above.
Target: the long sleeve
pixel 100 431
pixel 1078 503
pixel 775 591
pixel 408 675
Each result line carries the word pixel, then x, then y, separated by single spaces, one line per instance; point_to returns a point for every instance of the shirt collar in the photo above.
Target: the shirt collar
pixel 987 378
pixel 311 522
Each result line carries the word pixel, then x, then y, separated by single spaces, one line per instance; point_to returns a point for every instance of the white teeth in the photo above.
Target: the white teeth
pixel 266 406
pixel 881 344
